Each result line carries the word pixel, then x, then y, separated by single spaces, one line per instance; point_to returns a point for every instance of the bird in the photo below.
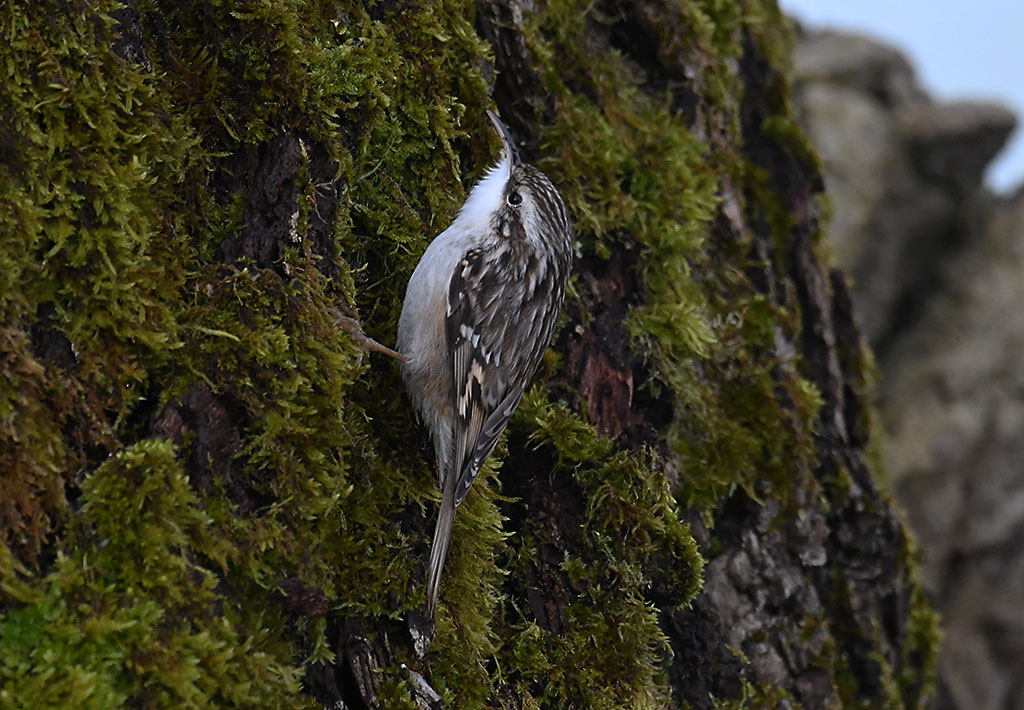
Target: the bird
pixel 479 313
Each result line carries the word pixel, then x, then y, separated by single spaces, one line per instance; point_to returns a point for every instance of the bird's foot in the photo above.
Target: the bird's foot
pixel 351 326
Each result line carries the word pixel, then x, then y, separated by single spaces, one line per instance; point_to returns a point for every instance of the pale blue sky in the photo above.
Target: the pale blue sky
pixel 960 50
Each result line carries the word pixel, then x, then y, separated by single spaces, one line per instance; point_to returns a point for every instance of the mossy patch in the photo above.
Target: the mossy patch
pixel 631 545
pixel 121 319
pixel 131 617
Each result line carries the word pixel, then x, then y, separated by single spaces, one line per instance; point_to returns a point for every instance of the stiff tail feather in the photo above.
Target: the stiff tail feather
pixel 439 548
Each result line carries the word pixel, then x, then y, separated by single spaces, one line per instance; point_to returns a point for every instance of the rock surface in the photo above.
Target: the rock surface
pixel 938 265
pixel 902 170
pixel 954 407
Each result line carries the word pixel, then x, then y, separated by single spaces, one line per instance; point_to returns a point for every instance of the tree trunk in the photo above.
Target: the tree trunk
pixel 212 496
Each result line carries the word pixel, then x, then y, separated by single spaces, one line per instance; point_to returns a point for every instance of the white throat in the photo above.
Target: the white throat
pixel 485 197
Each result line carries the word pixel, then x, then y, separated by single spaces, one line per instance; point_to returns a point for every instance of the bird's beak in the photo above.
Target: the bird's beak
pixel 506 139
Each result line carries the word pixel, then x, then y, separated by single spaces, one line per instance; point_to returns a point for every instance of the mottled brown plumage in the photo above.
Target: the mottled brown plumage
pixel 479 313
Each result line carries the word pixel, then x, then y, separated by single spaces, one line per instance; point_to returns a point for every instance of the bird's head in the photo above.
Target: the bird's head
pixel 513 199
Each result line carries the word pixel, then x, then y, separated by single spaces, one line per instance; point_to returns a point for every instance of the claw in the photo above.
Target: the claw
pixel 364 341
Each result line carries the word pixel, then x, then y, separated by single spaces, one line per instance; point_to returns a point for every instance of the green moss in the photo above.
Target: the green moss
pixel 88 222
pixel 131 617
pixel 707 331
pixel 119 235
pixel 612 649
pixel 745 411
pixel 919 673
pixel 757 695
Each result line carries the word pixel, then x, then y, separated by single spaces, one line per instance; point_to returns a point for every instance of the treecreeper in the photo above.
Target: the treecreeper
pixel 479 312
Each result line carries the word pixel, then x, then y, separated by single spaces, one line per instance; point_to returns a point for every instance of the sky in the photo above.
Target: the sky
pixel 960 50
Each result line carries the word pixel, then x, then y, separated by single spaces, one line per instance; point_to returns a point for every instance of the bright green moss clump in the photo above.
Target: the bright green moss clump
pixel 130 616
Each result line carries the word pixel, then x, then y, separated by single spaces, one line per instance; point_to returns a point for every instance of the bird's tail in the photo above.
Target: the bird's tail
pixel 439 549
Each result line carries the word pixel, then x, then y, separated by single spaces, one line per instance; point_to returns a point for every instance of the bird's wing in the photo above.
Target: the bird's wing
pixel 485 394
pixel 486 441
pixel 496 337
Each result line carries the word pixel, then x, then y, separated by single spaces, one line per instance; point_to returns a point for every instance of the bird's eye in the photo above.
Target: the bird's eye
pixel 514 199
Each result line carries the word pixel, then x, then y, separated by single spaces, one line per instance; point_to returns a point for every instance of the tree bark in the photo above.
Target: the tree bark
pixel 214 496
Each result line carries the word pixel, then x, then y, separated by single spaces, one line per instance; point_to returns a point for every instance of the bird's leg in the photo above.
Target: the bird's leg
pixel 351 326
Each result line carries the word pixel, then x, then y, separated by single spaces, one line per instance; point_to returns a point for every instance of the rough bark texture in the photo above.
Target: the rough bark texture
pixel 212 497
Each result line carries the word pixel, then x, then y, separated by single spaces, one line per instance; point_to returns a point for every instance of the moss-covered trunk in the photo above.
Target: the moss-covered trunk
pixel 211 497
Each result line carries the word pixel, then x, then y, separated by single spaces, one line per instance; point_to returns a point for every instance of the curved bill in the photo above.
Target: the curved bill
pixel 506 139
